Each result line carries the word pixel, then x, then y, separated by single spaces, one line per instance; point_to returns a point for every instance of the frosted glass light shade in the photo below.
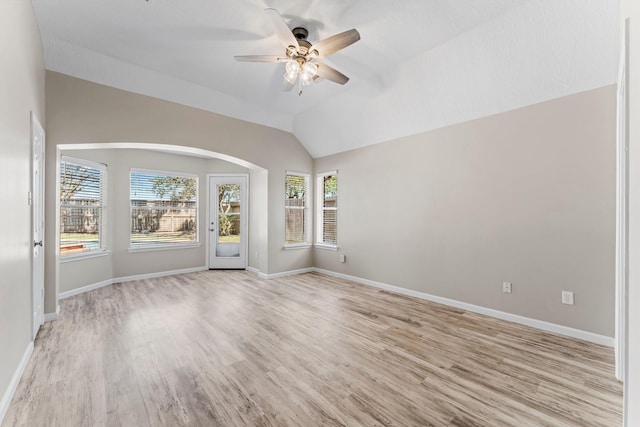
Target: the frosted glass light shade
pixel 309 70
pixel 290 77
pixel 293 67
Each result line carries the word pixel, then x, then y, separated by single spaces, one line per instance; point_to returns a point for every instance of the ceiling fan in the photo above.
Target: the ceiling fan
pixel 301 56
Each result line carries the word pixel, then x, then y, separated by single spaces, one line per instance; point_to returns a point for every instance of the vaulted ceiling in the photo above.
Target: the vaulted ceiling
pixel 420 64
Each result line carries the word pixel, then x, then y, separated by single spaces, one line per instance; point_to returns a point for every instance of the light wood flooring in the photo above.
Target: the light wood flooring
pixel 224 348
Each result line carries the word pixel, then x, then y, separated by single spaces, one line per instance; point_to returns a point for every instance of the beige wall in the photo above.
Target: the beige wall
pixel 84 112
pixel 631 9
pixel 526 196
pixel 21 91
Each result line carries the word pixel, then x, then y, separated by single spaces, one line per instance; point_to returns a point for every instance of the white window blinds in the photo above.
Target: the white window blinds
pixel 82 206
pixel 327 210
pixel 164 208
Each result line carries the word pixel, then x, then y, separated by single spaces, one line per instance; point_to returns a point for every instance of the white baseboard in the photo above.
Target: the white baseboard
pixel 281 274
pixel 50 317
pixel 257 272
pixel 124 279
pixel 538 324
pixel 158 274
pixel 78 291
pixel 15 380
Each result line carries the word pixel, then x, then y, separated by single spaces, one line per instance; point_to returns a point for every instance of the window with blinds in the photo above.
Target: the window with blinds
pixel 164 209
pixel 82 206
pixel 296 208
pixel 327 212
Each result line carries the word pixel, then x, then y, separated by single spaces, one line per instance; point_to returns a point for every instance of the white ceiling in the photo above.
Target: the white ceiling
pixel 420 64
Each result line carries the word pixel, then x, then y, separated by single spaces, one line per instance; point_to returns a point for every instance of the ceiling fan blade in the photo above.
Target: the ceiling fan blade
pixel 260 58
pixel 336 42
pixel 330 73
pixel 283 31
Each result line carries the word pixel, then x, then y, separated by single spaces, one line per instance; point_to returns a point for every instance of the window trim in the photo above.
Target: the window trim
pixel 307 208
pixel 166 245
pixel 103 248
pixel 97 253
pixel 318 242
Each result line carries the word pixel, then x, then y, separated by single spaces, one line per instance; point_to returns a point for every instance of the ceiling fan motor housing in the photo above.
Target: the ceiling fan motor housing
pixel 304 46
pixel 300 33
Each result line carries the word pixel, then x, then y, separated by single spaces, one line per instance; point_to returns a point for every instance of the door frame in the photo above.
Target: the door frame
pixel 622 209
pixel 244 225
pixel 36 200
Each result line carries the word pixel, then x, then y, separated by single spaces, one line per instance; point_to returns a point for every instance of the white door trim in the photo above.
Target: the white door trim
pixel 36 200
pixel 622 221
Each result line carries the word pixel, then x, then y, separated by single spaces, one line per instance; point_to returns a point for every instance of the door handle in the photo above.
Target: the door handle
pixel 37 243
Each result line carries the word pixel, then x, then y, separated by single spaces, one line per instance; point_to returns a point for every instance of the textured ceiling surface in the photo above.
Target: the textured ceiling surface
pixel 419 64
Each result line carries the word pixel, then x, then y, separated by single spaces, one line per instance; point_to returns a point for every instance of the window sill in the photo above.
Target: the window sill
pixel 162 248
pixel 326 246
pixel 86 255
pixel 297 246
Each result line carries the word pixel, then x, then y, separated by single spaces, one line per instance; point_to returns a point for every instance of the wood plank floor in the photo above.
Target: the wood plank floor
pixel 224 348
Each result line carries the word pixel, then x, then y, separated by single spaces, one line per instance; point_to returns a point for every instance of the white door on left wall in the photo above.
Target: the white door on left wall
pixel 37 222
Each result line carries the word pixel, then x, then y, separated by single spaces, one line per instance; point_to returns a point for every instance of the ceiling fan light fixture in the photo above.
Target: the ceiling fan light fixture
pixel 293 68
pixel 306 79
pixel 309 70
pixel 292 71
pixel 300 54
pixel 290 77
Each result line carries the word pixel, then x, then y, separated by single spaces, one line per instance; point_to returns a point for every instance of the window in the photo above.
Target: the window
pixel 164 209
pixel 327 231
pixel 296 209
pixel 82 206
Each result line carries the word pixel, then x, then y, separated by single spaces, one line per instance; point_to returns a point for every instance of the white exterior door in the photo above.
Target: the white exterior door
pixel 37 221
pixel 227 221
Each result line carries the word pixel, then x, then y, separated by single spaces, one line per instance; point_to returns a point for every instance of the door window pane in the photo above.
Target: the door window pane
pixel 228 242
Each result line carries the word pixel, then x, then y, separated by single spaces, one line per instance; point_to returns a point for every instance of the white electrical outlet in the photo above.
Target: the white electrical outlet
pixel 342 258
pixel 567 297
pixel 506 287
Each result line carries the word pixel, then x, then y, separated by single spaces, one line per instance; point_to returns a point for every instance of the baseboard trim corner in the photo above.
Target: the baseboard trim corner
pixel 259 273
pixel 526 321
pixel 50 317
pixel 289 273
pixel 15 380
pixel 281 274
